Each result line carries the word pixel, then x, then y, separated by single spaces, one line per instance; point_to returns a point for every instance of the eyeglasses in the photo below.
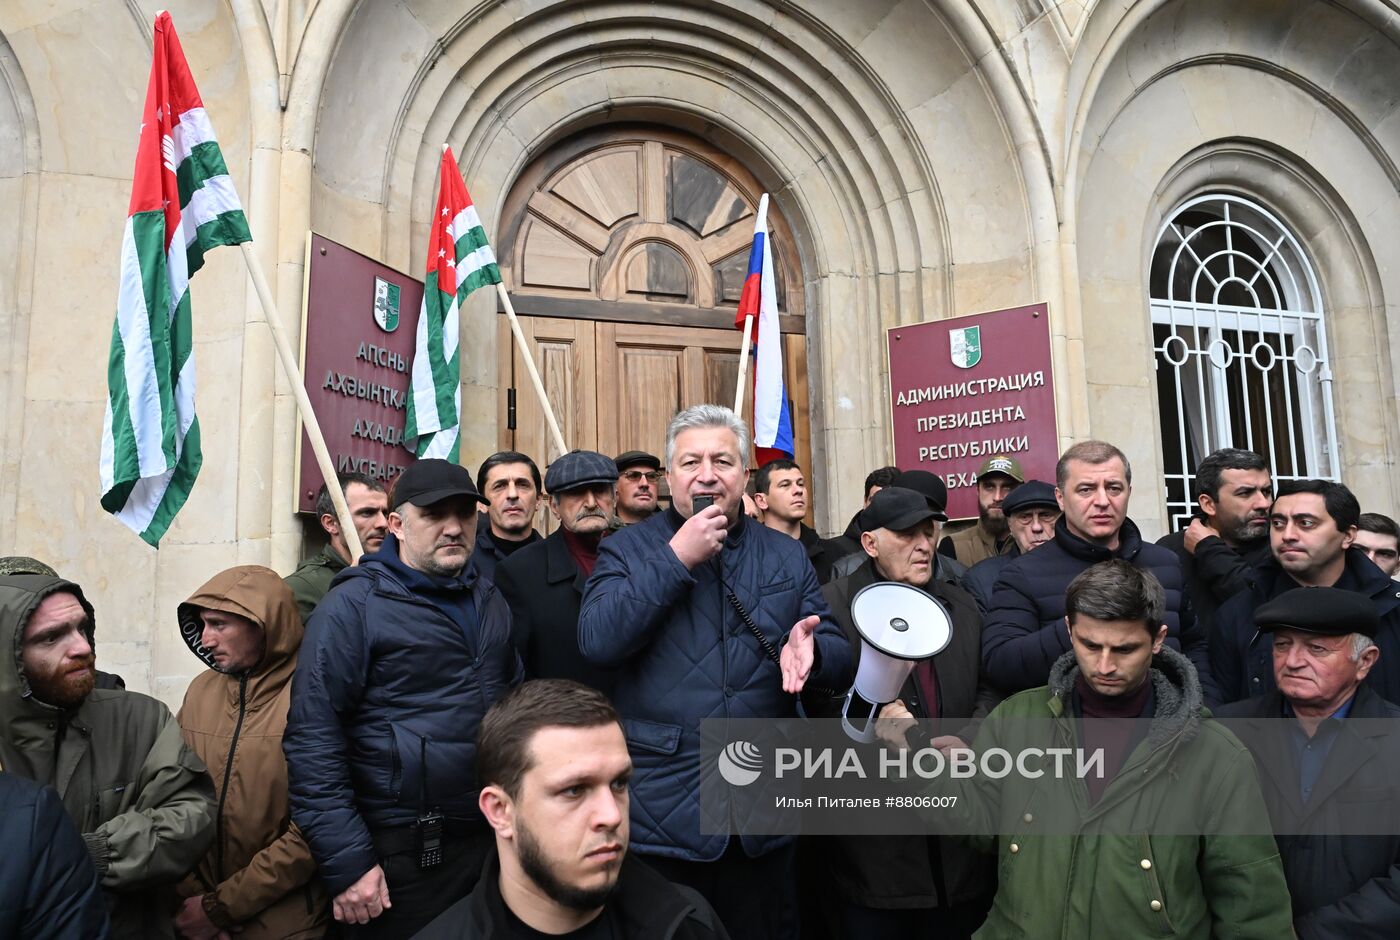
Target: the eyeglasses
pixel 636 476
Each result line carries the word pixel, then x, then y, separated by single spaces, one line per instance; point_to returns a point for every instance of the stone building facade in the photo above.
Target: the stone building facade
pixel 926 159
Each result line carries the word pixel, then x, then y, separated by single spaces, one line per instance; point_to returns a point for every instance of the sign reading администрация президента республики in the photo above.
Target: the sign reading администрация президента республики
pixel 361 319
pixel 969 388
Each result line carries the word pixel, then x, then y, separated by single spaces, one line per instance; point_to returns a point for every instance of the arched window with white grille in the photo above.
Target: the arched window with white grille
pixel 1240 345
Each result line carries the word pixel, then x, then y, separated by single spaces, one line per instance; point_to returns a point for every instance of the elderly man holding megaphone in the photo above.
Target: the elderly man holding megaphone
pixel 909 885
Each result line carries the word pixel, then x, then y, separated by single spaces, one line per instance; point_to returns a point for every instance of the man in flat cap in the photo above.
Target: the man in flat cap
pixel 1328 751
pixel 1031 513
pixel 638 476
pixel 399 663
pixel 996 478
pixel 543 583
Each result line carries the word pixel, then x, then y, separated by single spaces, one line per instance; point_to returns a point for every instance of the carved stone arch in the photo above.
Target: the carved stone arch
pixel 811 96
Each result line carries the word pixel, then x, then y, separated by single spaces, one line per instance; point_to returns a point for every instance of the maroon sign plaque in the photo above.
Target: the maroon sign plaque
pixel 356 353
pixel 969 388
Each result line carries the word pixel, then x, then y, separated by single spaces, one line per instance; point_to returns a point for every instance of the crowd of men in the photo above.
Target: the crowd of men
pixel 477 731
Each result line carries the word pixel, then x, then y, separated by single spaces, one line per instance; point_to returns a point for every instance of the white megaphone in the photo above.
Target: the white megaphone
pixel 898 626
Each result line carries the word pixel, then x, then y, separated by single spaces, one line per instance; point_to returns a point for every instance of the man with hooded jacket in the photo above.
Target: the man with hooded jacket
pixel 1161 832
pixel 258 880
pixel 139 795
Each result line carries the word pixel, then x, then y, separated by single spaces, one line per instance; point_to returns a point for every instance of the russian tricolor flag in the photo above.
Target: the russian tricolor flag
pixel 772 423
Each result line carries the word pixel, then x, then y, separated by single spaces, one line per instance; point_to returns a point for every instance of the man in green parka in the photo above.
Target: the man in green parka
pixel 1166 835
pixel 141 798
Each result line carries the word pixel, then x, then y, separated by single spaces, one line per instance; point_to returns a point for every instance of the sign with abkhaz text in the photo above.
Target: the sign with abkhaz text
pixel 360 319
pixel 968 388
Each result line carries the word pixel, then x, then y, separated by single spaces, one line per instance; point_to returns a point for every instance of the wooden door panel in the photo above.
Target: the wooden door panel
pixel 641 385
pixel 616 386
pixel 563 351
pixel 638 395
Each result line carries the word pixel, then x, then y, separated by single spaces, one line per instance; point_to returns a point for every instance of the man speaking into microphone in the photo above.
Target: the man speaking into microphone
pixel 706 614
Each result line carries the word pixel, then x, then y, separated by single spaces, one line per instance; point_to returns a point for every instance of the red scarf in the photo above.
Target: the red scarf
pixel 583 548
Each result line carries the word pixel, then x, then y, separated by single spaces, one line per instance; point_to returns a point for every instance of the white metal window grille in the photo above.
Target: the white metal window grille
pixel 1240 346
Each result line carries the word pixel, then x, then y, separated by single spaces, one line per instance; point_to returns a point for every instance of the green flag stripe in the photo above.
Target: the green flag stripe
pixel 148 237
pixel 481 277
pixel 470 240
pixel 228 228
pixel 444 370
pixel 205 160
pixel 124 463
pixel 178 491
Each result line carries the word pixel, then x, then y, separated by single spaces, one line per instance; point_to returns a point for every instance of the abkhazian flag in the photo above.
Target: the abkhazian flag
pixel 182 204
pixel 459 261
pixel 758 304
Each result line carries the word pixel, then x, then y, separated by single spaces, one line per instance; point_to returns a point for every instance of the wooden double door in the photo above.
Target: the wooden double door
pixel 615 386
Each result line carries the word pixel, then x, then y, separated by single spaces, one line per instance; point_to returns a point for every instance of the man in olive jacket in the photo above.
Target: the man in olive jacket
pixel 1164 835
pixel 141 798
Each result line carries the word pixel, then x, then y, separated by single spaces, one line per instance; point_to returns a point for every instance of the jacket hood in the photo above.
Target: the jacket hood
pixel 1129 543
pixel 1175 686
pixel 20 595
pixel 256 593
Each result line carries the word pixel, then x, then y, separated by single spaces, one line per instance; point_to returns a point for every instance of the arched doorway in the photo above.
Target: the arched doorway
pixel 624 250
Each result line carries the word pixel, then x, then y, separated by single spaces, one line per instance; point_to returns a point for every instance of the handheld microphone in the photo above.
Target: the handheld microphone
pixel 701 503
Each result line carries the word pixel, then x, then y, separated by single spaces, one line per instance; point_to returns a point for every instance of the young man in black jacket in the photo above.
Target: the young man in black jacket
pixel 1311 528
pixel 553 766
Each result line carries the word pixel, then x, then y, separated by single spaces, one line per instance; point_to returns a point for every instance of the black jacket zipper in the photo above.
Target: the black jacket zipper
pixel 228 773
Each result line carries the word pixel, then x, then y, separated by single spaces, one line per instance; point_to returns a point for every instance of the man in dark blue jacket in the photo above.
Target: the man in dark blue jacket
pixel 399 665
pixel 662 607
pixel 1025 631
pixel 48 885
pixel 1311 527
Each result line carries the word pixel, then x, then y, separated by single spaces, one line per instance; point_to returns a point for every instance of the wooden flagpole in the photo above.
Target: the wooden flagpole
pixel 748 320
pixel 743 366
pixel 530 368
pixel 308 416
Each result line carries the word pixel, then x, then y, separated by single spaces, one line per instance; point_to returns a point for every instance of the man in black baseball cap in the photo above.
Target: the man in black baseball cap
pixel 399 664
pixel 935 493
pixel 1328 751
pixel 543 583
pixel 638 476
pixel 941 884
